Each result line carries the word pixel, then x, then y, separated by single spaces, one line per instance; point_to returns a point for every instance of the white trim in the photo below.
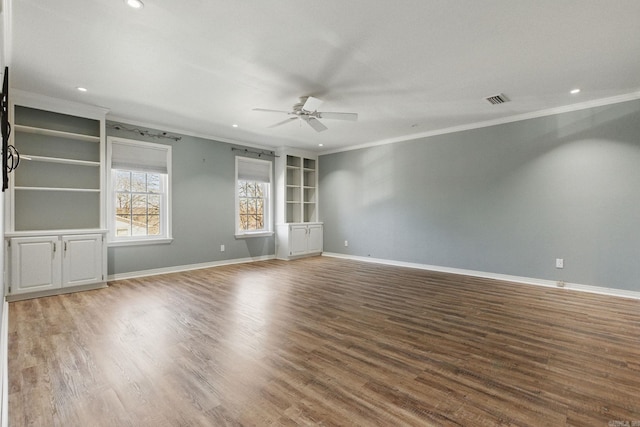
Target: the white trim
pixel 250 234
pixel 6 56
pixel 623 293
pixel 500 121
pixel 140 242
pixel 188 267
pixel 4 360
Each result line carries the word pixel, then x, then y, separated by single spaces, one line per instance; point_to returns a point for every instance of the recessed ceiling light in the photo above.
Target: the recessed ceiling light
pixel 81 89
pixel 320 145
pixel 136 4
pixel 574 91
pixel 234 125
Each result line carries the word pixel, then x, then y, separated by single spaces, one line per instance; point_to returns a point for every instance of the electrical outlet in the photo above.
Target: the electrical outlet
pixel 559 263
pixel 346 243
pixel 221 248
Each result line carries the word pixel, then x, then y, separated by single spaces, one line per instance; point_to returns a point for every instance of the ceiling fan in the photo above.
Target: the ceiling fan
pixel 307 110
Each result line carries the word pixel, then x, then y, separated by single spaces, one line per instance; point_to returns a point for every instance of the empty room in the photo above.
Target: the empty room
pixel 421 213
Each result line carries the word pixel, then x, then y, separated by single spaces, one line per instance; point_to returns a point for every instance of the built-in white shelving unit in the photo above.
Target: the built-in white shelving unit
pixel 298 231
pixel 54 208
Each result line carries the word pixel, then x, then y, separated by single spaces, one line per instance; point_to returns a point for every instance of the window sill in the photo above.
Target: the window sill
pixel 140 242
pixel 256 234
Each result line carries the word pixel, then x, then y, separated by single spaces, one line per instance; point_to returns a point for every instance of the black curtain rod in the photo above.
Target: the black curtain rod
pixel 259 153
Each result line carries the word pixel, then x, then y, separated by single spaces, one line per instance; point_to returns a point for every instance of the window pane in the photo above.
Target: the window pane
pixel 123 225
pixel 138 182
pixel 153 205
pixel 153 183
pixel 123 204
pixel 139 225
pixel 251 222
pixel 123 181
pixel 154 225
pixel 139 204
pixel 242 189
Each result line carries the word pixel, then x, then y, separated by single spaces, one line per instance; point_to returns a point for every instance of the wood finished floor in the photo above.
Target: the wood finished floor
pixel 323 341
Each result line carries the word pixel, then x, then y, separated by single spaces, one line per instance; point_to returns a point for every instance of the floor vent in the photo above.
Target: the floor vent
pixel 497 99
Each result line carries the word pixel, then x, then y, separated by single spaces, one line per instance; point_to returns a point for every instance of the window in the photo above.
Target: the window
pixel 139 192
pixel 138 201
pixel 253 202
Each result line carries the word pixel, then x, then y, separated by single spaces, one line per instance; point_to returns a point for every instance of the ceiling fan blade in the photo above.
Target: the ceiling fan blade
pixel 283 122
pixel 270 111
pixel 315 123
pixel 353 117
pixel 311 104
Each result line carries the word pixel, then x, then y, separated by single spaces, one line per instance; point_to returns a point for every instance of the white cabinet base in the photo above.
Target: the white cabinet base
pixel 298 240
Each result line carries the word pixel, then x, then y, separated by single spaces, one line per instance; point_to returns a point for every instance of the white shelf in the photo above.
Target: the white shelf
pixel 56 133
pixel 58 160
pixel 76 190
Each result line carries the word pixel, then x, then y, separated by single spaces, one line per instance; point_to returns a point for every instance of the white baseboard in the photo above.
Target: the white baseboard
pixel 4 364
pixel 188 267
pixel 505 277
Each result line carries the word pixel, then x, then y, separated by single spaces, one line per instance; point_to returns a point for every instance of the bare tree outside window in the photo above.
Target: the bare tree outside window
pixel 138 202
pixel 251 197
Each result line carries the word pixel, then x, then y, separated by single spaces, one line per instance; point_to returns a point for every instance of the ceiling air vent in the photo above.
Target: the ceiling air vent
pixel 497 99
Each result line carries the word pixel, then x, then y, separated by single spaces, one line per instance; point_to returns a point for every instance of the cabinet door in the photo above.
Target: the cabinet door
pixel 297 240
pixel 81 259
pixel 314 238
pixel 35 264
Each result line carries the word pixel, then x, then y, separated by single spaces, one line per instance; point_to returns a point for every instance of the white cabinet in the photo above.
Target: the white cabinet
pixel 35 264
pixel 297 240
pixel 46 263
pixel 82 259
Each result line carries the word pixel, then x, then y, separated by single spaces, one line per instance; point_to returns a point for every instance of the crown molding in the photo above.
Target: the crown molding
pixel 495 122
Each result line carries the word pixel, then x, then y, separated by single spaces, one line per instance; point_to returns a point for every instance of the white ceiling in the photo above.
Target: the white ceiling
pixel 407 67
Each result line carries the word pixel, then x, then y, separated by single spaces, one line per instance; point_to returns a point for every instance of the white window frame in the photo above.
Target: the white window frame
pixel 268 220
pixel 165 210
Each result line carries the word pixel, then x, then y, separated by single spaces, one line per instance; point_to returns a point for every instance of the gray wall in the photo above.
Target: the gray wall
pixel 203 210
pixel 504 199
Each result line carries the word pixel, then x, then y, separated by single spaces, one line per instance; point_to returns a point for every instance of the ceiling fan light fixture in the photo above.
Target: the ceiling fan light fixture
pixel 136 4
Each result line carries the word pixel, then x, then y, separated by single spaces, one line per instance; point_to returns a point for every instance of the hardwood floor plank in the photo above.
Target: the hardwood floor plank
pixel 323 341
